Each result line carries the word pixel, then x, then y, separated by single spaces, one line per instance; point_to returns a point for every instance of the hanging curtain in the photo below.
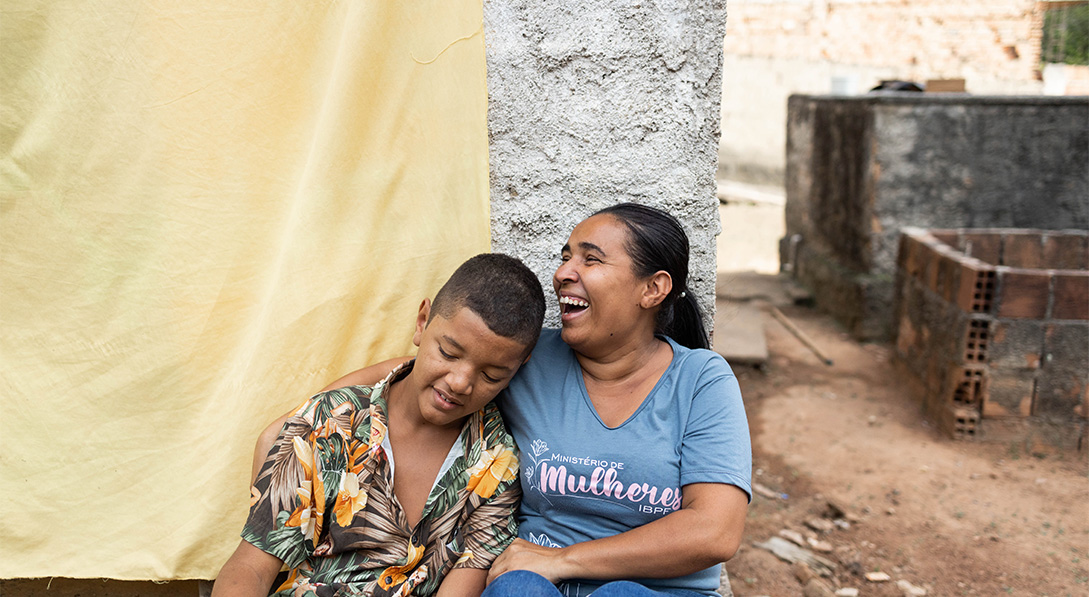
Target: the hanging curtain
pixel 208 211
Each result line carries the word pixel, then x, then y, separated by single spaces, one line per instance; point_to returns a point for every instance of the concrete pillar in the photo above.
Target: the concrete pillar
pixel 601 101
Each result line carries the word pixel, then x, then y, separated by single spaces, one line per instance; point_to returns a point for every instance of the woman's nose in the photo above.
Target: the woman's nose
pixel 566 272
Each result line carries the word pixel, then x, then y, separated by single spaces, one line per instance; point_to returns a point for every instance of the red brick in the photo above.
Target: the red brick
pixel 1023 295
pixel 1071 296
pixel 975 290
pixel 1066 251
pixel 967 385
pixel 985 247
pixel 959 422
pixel 948 280
pixel 928 260
pixel 1023 251
pixel 977 342
pixel 948 237
pixel 908 257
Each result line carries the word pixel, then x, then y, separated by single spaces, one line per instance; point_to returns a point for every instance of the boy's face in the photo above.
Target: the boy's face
pixel 461 365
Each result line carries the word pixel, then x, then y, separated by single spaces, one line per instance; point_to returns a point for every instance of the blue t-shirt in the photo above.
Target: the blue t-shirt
pixel 582 480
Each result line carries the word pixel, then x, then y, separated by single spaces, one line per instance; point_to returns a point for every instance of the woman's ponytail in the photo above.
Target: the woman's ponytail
pixel 657 242
pixel 686 325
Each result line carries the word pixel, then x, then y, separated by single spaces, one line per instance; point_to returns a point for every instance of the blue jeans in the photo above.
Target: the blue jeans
pixel 522 583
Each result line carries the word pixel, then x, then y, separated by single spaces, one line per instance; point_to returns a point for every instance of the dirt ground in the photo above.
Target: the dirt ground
pixel 950 517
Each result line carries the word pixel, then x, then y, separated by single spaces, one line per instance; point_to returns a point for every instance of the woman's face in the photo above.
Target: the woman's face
pixel 599 293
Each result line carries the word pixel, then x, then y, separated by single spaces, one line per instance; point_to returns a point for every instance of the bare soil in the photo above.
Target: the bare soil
pixel 952 517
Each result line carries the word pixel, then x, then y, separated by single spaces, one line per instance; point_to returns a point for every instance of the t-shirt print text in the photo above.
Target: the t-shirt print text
pixel 584 477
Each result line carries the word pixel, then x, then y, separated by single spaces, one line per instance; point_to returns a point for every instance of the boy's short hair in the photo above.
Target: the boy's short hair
pixel 500 289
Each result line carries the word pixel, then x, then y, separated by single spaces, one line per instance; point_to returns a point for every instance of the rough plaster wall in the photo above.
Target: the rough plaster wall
pixel 978 163
pixel 596 102
pixel 754 104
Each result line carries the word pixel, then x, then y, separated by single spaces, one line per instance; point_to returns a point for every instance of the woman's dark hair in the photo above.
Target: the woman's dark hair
pixel 657 242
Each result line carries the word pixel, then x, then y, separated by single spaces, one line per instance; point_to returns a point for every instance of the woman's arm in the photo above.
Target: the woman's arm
pixel 705 531
pixel 249 571
pixel 367 376
pixel 463 582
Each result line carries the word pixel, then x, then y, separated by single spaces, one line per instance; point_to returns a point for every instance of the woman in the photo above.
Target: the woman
pixel 635 455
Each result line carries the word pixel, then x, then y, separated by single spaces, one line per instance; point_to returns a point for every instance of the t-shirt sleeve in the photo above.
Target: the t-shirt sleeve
pixel 282 517
pixel 716 446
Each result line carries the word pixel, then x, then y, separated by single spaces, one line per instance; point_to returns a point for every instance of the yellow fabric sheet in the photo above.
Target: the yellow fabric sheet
pixel 208 211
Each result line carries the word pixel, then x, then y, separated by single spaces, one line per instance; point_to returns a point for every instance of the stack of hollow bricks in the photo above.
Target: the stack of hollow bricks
pixel 995 324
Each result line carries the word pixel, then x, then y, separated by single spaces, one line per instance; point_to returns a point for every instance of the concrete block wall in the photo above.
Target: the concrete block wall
pixel 859 169
pixel 995 325
pixel 597 102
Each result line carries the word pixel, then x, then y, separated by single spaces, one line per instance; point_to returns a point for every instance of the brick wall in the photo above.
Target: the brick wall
pixel 859 169
pixel 995 325
pixel 921 39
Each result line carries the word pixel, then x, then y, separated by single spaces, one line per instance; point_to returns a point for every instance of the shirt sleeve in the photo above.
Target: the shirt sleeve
pixel 716 447
pixel 492 526
pixel 282 519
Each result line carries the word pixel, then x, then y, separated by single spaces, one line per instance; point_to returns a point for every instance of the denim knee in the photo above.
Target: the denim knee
pixel 627 588
pixel 622 588
pixel 521 583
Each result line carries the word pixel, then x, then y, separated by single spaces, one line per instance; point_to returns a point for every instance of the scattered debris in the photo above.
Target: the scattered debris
pixel 878 577
pixel 847 592
pixel 793 536
pixel 821 525
pixel 818 545
pixel 834 510
pixel 800 335
pixel 910 590
pixel 788 552
pixel 803 572
pixel 843 524
pixel 817 588
pixel 768 492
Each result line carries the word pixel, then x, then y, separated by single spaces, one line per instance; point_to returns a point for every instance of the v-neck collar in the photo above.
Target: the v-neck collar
pixel 576 371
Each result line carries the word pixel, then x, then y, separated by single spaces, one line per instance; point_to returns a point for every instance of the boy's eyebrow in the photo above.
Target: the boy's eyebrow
pixel 459 347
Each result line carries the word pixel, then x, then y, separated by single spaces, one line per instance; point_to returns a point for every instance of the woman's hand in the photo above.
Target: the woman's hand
pixel 549 562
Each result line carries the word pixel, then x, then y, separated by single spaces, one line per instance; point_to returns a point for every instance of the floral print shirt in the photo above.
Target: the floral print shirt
pixel 324 501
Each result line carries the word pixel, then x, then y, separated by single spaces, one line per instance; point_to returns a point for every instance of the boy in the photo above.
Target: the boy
pixel 407 487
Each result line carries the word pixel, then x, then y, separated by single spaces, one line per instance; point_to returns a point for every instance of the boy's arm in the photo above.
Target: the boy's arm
pixel 249 571
pixel 463 582
pixel 367 376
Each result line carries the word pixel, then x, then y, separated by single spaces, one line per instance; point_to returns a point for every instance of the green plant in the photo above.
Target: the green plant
pixel 1066 35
